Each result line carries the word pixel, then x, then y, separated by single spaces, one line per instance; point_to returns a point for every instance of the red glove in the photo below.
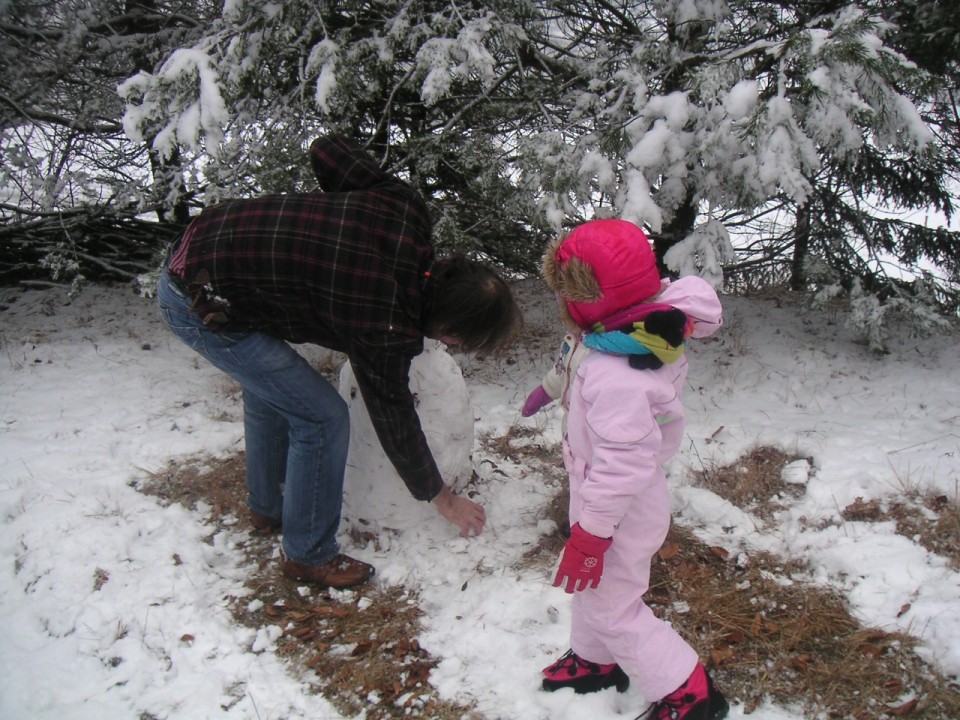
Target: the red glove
pixel 581 565
pixel 536 400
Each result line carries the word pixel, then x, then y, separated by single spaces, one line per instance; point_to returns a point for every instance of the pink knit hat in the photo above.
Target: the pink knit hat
pixel 600 268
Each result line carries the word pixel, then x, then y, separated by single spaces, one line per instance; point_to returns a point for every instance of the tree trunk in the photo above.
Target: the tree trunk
pixel 166 173
pixel 801 247
pixel 676 230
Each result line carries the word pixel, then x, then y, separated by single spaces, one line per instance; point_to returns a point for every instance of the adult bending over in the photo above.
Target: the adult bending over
pixel 352 269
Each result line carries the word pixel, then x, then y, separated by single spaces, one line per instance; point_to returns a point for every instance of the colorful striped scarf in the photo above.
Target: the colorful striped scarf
pixel 637 341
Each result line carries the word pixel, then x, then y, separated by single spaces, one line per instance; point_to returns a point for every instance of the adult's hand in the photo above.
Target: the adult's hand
pixel 461 511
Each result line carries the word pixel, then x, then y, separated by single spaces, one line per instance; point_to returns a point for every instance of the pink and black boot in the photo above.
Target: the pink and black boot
pixel 572 671
pixel 697 699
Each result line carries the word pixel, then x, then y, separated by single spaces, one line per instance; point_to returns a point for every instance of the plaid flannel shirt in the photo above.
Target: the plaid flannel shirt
pixel 344 269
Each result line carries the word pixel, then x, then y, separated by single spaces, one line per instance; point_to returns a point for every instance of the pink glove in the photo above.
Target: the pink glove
pixel 536 400
pixel 581 565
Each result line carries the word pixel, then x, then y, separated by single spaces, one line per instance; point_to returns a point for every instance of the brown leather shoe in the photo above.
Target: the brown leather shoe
pixel 264 524
pixel 341 572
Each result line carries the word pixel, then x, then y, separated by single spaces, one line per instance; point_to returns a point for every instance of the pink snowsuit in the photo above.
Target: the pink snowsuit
pixel 624 424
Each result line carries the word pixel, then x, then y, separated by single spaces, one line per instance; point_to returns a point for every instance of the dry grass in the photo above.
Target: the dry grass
pixel 359 650
pixel 932 520
pixel 769 633
pixel 217 483
pixel 365 656
pixel 753 482
pixel 524 445
pixel 764 629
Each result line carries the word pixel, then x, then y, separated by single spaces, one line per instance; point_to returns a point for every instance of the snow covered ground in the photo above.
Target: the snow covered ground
pixel 113 605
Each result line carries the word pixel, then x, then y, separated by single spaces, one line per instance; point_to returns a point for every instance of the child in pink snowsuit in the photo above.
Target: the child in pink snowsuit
pixel 625 421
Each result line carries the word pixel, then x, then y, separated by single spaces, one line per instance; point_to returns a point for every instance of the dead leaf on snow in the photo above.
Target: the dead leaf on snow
pixel 669 551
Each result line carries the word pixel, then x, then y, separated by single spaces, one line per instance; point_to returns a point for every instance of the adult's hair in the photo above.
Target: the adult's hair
pixel 472 303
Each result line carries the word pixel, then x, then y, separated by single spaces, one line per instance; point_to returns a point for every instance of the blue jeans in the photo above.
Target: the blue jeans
pixel 296 427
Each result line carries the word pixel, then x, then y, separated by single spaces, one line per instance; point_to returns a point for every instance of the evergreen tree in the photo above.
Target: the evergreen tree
pixel 807 132
pixel 73 182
